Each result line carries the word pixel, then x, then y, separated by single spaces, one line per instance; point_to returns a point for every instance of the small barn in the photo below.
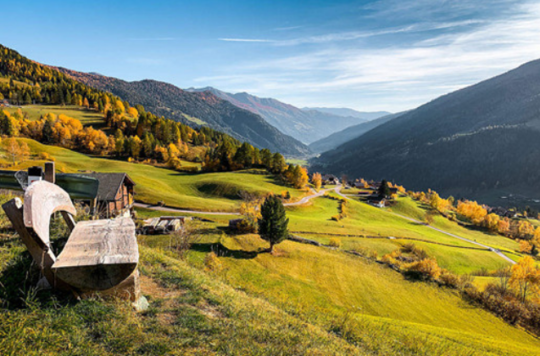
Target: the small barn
pixel 330 179
pixel 115 194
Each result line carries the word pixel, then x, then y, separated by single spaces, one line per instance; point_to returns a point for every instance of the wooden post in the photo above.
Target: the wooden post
pixel 50 175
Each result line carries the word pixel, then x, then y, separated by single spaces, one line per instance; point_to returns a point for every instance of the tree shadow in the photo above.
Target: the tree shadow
pixel 223 251
pixel 18 286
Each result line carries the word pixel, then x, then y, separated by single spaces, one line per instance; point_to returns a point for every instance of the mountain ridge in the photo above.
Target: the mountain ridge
pixel 305 125
pixel 435 144
pixel 165 99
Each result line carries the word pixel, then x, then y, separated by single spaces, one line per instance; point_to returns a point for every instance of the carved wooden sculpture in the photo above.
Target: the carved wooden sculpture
pixel 100 255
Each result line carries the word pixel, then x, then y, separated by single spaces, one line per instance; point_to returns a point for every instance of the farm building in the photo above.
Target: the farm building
pixel 163 225
pixel 330 179
pixel 115 193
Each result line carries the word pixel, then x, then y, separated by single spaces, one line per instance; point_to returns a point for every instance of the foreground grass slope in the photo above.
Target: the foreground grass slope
pixel 306 300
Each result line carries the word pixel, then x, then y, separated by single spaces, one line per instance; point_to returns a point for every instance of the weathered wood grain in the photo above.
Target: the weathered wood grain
pixel 41 200
pixel 99 254
pixel 40 252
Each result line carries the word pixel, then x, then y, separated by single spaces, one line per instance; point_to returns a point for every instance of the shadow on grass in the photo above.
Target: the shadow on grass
pixel 223 251
pixel 18 287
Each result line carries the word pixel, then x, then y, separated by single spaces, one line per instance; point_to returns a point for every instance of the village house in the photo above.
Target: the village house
pixel 115 194
pixel 330 179
pixel 376 200
pixel 502 212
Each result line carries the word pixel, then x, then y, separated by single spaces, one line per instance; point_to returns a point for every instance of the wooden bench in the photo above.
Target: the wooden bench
pixel 99 256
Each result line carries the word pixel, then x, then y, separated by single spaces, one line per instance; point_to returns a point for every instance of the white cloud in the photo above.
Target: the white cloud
pixel 244 40
pixel 398 76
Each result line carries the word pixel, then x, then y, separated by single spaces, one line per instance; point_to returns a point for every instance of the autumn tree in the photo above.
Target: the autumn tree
pixel 13 150
pixel 316 179
pixel 278 164
pixel 273 224
pixel 525 278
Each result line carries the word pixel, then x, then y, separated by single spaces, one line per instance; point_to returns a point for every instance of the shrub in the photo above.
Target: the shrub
pixel 247 226
pixel 46 157
pixel 212 263
pixel 425 269
pixel 335 242
pixel 449 279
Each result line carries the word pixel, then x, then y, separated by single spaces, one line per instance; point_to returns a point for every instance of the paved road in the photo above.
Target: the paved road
pixel 502 255
pixel 178 210
pixel 302 201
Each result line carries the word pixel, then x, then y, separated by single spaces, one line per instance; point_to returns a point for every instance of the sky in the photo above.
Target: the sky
pixel 390 55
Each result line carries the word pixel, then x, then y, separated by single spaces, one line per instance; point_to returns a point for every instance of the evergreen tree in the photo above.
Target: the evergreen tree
pixel 48 132
pixel 273 222
pixel 384 190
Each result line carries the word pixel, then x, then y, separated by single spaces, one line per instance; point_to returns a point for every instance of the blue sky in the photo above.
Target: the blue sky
pixel 368 55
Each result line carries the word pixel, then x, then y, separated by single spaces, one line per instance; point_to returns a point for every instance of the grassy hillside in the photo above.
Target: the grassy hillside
pixel 86 117
pixel 303 300
pixel 206 192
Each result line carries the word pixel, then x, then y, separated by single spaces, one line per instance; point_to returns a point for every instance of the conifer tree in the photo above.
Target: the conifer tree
pixel 384 190
pixel 273 223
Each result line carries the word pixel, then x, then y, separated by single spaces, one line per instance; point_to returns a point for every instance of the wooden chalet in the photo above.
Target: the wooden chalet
pixel 115 194
pixel 330 179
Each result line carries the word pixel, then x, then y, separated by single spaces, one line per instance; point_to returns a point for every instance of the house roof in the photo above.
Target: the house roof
pixel 109 184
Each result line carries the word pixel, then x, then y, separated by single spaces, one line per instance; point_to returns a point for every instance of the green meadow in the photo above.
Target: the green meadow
pixel 302 299
pixel 86 117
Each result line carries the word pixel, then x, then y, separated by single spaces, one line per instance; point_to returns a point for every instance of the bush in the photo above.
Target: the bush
pixel 247 226
pixel 449 279
pixel 212 263
pixel 335 242
pixel 46 157
pixel 425 269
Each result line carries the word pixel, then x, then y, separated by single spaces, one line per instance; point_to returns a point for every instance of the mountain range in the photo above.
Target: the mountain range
pixel 306 125
pixel 482 142
pixel 196 108
pixel 350 112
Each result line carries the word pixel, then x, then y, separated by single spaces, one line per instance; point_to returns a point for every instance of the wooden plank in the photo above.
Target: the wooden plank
pixel 41 200
pixel 99 254
pixel 40 252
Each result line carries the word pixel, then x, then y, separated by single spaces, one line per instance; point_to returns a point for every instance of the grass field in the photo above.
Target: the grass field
pixel 86 117
pixel 314 281
pixel 301 300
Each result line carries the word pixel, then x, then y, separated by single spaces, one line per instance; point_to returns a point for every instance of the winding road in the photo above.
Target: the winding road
pixel 498 252
pixel 316 194
pixel 302 201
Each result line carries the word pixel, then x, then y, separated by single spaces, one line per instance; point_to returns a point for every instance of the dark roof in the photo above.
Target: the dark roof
pixel 109 184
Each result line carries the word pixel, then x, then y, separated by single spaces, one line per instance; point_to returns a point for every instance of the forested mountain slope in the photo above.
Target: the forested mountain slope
pixel 196 109
pixel 483 140
pixel 306 125
pixel 338 138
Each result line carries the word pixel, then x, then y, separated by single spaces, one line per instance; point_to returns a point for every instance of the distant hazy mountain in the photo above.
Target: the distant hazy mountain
pixel 304 125
pixel 196 109
pixel 338 138
pixel 481 141
pixel 351 112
